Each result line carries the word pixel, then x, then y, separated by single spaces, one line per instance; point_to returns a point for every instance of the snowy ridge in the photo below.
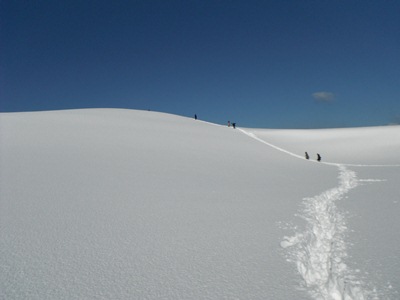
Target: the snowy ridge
pixel 121 204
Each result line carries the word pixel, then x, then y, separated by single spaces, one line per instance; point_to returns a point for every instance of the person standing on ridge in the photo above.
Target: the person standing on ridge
pixel 318 157
pixel 195 117
pixel 307 156
pixel 234 125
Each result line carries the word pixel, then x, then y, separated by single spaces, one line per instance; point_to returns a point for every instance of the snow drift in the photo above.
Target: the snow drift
pixel 120 204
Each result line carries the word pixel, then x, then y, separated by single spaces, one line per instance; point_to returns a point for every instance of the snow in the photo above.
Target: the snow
pixel 372 155
pixel 347 146
pixel 125 204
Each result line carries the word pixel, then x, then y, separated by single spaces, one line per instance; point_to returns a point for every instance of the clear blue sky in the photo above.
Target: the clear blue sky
pixel 270 64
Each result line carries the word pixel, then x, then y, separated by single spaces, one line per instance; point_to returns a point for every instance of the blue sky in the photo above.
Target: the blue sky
pixel 270 64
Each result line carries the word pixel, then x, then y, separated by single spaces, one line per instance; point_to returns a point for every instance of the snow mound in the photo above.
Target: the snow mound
pixel 123 204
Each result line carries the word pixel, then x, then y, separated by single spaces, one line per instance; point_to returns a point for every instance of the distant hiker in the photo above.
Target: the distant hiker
pixel 229 123
pixel 234 125
pixel 307 156
pixel 195 117
pixel 318 157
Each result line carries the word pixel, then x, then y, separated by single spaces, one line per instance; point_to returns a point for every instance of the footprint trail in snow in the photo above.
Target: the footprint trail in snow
pixel 320 251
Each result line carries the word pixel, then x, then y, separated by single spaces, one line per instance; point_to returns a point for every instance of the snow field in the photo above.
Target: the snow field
pixel 321 251
pixel 117 204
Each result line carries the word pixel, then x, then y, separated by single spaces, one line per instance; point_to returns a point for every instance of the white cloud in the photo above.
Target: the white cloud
pixel 323 96
pixel 395 120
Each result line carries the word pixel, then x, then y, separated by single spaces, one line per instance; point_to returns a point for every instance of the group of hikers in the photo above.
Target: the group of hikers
pixel 229 122
pixel 234 126
pixel 318 156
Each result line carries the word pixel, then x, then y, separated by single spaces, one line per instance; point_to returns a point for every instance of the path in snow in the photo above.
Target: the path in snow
pixel 252 135
pixel 319 251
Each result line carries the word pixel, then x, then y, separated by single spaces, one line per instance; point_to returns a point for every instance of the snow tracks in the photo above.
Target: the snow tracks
pixel 320 251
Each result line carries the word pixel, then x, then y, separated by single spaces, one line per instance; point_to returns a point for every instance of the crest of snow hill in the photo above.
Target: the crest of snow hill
pixel 125 204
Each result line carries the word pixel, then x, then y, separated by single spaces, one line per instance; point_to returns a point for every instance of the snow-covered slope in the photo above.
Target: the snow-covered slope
pixel 121 204
pixel 362 146
pixel 363 228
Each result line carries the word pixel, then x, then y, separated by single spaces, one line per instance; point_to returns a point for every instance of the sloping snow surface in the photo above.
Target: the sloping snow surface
pixel 120 204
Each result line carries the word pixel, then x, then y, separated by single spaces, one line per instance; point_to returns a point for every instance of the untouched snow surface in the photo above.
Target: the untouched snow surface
pixel 120 204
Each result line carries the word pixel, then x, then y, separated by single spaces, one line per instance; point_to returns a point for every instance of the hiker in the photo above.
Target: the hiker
pixel 307 156
pixel 318 157
pixel 234 125
pixel 195 117
pixel 229 123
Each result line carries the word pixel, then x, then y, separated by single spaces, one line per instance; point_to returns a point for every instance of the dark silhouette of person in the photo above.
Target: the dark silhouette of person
pixel 195 117
pixel 318 157
pixel 234 125
pixel 307 156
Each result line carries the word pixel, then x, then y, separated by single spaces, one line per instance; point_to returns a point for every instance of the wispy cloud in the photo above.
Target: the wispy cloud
pixel 323 96
pixel 395 120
